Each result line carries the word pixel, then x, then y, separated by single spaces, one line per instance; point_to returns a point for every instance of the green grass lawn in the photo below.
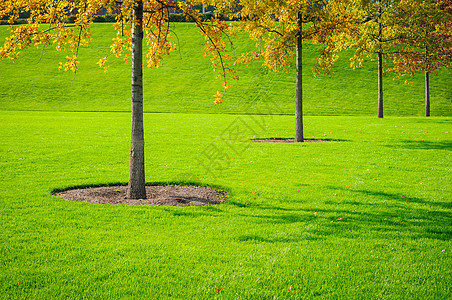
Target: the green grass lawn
pixel 369 217
pixel 186 83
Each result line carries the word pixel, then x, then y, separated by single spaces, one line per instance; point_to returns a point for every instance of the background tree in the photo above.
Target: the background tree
pixel 425 39
pixel 135 20
pixel 281 27
pixel 372 35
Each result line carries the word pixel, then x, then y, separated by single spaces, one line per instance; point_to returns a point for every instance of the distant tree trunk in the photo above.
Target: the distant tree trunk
pixel 380 85
pixel 380 68
pixel 427 94
pixel 299 87
pixel 137 183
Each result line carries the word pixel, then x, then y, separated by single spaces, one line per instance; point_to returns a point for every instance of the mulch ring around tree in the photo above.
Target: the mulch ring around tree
pixel 282 140
pixel 173 195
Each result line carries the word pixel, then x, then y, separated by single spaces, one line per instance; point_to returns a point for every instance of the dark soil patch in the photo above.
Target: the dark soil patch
pixel 156 195
pixel 281 140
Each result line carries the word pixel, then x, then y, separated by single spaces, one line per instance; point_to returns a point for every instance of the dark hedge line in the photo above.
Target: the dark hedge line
pixel 109 19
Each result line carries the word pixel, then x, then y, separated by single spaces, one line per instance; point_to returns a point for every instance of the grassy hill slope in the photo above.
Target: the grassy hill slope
pixel 186 83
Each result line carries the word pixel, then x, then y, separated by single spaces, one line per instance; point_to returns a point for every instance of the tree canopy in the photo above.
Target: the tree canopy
pixel 48 25
pixel 424 36
pixel 136 20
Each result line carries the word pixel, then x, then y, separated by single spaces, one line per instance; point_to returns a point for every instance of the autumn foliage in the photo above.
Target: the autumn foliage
pixel 415 34
pixel 424 40
pixel 47 26
pixel 406 29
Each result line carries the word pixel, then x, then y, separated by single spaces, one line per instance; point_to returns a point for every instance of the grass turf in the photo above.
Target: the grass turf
pixel 186 83
pixel 369 217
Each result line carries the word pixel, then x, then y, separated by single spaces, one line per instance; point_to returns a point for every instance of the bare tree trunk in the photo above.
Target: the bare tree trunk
pixel 380 85
pixel 380 68
pixel 137 183
pixel 427 94
pixel 299 86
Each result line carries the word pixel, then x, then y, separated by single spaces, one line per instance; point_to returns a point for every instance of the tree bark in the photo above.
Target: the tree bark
pixel 380 67
pixel 427 94
pixel 380 85
pixel 137 183
pixel 299 86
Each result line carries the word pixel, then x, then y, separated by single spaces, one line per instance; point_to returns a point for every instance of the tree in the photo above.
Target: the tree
pixel 135 20
pixel 137 181
pixel 372 34
pixel 425 39
pixel 282 27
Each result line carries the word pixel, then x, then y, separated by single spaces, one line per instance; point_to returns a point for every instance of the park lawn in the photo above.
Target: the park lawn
pixel 367 217
pixel 186 83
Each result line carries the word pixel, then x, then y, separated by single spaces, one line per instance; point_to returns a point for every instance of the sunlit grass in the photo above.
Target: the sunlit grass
pixel 186 83
pixel 367 217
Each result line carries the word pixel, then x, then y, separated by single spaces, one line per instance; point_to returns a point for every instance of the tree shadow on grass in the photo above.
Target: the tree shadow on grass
pixel 412 208
pixel 257 205
pixel 424 145
pixel 434 120
pixel 392 218
pixel 350 224
pixel 292 140
pixel 396 197
pixel 254 238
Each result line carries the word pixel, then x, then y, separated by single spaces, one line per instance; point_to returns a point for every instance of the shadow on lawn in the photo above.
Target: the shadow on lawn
pixel 394 218
pixel 398 198
pixel 291 239
pixel 434 120
pixel 424 145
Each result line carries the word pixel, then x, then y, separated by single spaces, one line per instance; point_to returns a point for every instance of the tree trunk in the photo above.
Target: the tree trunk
pixel 299 87
pixel 427 94
pixel 380 85
pixel 380 67
pixel 137 183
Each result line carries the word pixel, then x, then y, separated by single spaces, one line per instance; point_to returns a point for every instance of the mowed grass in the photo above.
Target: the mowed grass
pixel 186 83
pixel 368 217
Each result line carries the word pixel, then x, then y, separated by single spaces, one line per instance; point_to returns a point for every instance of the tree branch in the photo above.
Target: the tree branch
pixel 53 28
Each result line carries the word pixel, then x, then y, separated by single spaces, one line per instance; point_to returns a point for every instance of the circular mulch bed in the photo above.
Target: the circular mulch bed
pixel 173 195
pixel 280 140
